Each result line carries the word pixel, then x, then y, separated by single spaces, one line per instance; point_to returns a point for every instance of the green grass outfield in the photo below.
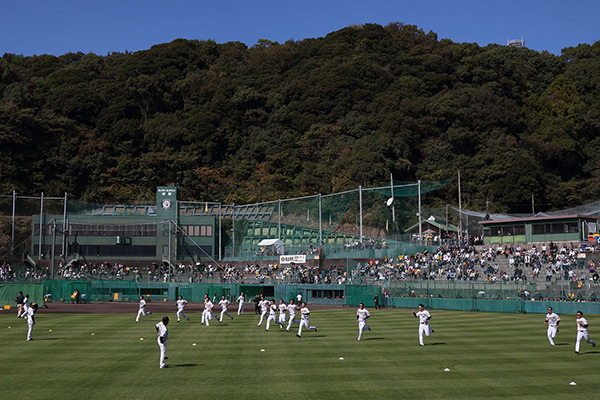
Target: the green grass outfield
pixel 490 356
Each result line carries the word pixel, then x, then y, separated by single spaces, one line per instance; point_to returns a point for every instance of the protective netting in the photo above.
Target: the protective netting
pixel 17 225
pixel 359 217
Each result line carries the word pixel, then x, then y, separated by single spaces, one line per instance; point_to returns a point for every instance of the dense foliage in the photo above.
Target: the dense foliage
pixel 230 123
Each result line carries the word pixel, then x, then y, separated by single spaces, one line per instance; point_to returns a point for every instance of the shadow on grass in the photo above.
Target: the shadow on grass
pixel 561 344
pixel 315 336
pixel 375 338
pixel 54 338
pixel 590 352
pixel 435 344
pixel 184 365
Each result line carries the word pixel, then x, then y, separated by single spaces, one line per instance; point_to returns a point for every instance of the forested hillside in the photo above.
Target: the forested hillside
pixel 230 123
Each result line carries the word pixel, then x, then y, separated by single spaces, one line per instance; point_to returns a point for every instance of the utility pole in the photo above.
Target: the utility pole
pixel 459 210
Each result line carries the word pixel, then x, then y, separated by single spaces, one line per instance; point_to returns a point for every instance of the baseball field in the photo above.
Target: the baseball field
pixel 470 356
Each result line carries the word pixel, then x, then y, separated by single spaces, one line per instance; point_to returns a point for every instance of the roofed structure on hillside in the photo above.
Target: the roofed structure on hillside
pixel 558 228
pixel 435 225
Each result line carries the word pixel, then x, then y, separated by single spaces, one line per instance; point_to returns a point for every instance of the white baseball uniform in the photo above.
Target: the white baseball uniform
pixel 291 308
pixel 25 307
pixel 424 328
pixel 361 315
pixel 582 333
pixel 180 305
pixel 282 309
pixel 240 301
pixel 142 310
pixel 162 342
pixel 264 307
pixel 207 314
pixel 304 312
pixel 224 304
pixel 30 315
pixel 552 321
pixel 273 317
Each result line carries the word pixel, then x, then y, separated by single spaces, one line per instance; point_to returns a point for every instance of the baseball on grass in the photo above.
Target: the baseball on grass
pixel 446 369
pixel 193 344
pixel 341 358
pixel 49 330
pixel 262 349
pixel 573 384
pixel 141 338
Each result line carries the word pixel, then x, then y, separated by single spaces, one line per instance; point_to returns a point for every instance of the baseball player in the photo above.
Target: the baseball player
pixel 163 333
pixel 206 300
pixel 142 310
pixel 224 303
pixel 31 319
pixel 282 309
pixel 273 315
pixel 180 305
pixel 208 314
pixel 582 331
pixel 291 308
pixel 240 301
pixel 25 306
pixel 19 301
pixel 264 307
pixel 304 312
pixel 424 318
pixel 552 320
pixel 361 317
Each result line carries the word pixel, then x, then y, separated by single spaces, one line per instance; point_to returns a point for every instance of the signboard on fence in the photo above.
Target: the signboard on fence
pixel 295 259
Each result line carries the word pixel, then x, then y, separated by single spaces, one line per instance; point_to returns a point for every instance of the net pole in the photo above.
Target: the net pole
pixel 53 242
pixel 64 224
pixel 220 233
pixel 420 217
pixel 12 240
pixel 320 222
pixel 279 220
pixel 360 213
pixel 459 212
pixel 41 225
pixel 393 206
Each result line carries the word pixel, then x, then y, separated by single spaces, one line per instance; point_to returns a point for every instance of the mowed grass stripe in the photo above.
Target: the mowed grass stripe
pixel 490 356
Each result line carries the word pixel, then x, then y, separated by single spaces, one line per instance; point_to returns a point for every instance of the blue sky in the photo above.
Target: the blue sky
pixel 102 26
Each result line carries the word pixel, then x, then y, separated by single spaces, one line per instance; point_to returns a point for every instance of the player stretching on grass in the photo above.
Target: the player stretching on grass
pixel 424 318
pixel 552 320
pixel 361 317
pixel 224 303
pixel 162 331
pixel 582 331
pixel 304 312
pixel 180 305
pixel 273 315
pixel 291 308
pixel 264 307
pixel 142 309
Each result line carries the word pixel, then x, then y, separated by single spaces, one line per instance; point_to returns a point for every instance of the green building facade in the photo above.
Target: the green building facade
pixel 161 232
pixel 564 228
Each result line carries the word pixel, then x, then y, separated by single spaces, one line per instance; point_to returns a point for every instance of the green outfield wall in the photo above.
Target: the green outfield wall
pixel 9 291
pixel 466 298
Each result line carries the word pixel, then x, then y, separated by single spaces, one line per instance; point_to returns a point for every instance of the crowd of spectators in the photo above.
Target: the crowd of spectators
pixel 7 273
pixel 492 264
